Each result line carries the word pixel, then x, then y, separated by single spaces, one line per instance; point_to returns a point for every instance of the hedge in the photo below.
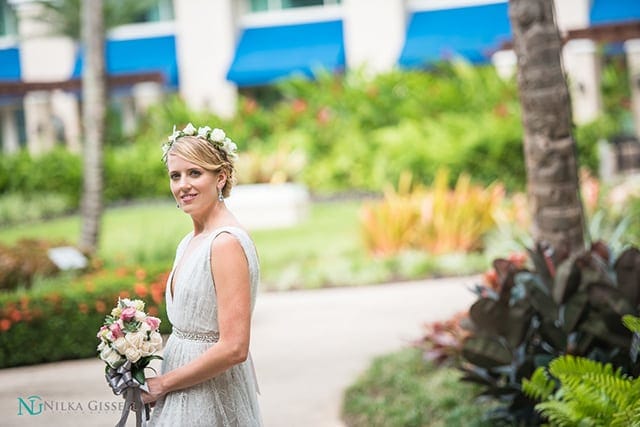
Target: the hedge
pixel 63 318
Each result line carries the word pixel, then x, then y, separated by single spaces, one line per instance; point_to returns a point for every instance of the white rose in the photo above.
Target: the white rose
pixel 110 356
pixel 144 327
pixel 146 349
pixel 156 340
pixel 136 339
pixel 140 316
pixel 218 135
pixel 203 131
pixel 189 130
pixel 133 355
pixel 229 146
pixel 121 345
pixel 116 312
pixel 138 304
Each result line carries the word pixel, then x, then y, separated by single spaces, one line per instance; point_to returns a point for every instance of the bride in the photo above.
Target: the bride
pixel 207 376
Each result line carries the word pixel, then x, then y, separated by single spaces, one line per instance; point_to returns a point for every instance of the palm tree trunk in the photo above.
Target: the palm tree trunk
pixel 549 148
pixel 93 119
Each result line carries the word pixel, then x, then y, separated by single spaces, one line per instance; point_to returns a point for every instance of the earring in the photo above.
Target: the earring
pixel 220 196
pixel 177 205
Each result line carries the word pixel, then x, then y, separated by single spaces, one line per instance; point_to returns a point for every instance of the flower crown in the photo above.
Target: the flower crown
pixel 215 137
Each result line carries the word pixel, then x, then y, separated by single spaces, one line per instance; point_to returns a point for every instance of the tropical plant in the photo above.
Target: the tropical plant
pixel 578 391
pixel 435 219
pixel 556 306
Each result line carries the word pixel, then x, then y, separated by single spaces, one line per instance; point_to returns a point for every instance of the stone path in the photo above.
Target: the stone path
pixel 307 347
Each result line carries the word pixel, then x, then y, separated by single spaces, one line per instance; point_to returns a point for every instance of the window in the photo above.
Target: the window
pixel 8 20
pixel 264 5
pixel 160 10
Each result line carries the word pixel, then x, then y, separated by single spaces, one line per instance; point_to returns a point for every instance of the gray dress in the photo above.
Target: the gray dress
pixel 229 399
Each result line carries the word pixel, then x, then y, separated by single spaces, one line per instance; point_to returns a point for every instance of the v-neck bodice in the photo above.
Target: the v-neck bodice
pixel 192 306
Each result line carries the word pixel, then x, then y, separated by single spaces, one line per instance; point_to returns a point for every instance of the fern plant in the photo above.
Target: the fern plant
pixel 576 391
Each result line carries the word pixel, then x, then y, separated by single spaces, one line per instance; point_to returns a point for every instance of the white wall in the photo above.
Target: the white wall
pixel 374 33
pixel 205 42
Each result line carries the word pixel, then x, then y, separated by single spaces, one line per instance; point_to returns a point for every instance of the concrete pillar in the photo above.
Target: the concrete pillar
pixel 505 62
pixel 583 69
pixel 374 32
pixel 66 107
pixel 632 49
pixel 206 34
pixel 572 14
pixel 146 95
pixel 43 58
pixel 128 115
pixel 41 132
pixel 10 136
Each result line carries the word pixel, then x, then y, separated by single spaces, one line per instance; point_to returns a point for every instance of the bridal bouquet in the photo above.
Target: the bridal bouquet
pixel 129 339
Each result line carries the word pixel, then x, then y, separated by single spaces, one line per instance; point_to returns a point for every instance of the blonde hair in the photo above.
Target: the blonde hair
pixel 204 154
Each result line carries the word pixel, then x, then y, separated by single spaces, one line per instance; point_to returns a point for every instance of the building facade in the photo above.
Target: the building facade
pixel 209 50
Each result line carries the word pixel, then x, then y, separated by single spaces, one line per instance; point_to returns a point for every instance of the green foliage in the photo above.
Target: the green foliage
pixel 58 172
pixel 563 306
pixel 400 390
pixel 64 317
pixel 588 393
pixel 16 208
pixel 65 15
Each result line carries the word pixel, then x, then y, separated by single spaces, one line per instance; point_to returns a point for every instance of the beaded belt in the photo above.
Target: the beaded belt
pixel 196 336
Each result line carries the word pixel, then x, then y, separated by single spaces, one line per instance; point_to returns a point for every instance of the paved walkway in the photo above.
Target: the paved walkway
pixel 307 347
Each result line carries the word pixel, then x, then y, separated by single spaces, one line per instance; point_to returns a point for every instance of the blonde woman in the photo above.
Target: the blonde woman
pixel 207 376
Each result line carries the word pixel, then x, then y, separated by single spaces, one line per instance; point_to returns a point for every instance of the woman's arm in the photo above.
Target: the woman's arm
pixel 231 274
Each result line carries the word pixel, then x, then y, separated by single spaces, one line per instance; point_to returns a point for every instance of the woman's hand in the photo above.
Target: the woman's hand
pixel 155 390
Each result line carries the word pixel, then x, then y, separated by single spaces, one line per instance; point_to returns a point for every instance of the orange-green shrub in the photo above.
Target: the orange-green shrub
pixel 20 263
pixel 61 322
pixel 435 219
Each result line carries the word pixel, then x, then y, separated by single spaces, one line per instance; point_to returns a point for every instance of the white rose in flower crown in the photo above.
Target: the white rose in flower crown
pixel 132 354
pixel 218 135
pixel 189 129
pixel 204 131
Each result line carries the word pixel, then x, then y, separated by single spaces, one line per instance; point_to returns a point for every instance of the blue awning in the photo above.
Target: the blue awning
pixel 267 54
pixel 612 11
pixel 473 32
pixel 10 64
pixel 152 54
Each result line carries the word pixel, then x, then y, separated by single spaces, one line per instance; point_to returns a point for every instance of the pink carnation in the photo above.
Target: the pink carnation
pixel 102 329
pixel 128 313
pixel 116 331
pixel 153 322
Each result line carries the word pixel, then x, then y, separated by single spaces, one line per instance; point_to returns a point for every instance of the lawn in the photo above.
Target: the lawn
pixel 148 233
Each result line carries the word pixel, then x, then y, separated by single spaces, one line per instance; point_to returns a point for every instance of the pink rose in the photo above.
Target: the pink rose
pixel 153 322
pixel 128 313
pixel 116 331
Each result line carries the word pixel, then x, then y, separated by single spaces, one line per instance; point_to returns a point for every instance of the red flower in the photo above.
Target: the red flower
pixel 140 289
pixel 5 325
